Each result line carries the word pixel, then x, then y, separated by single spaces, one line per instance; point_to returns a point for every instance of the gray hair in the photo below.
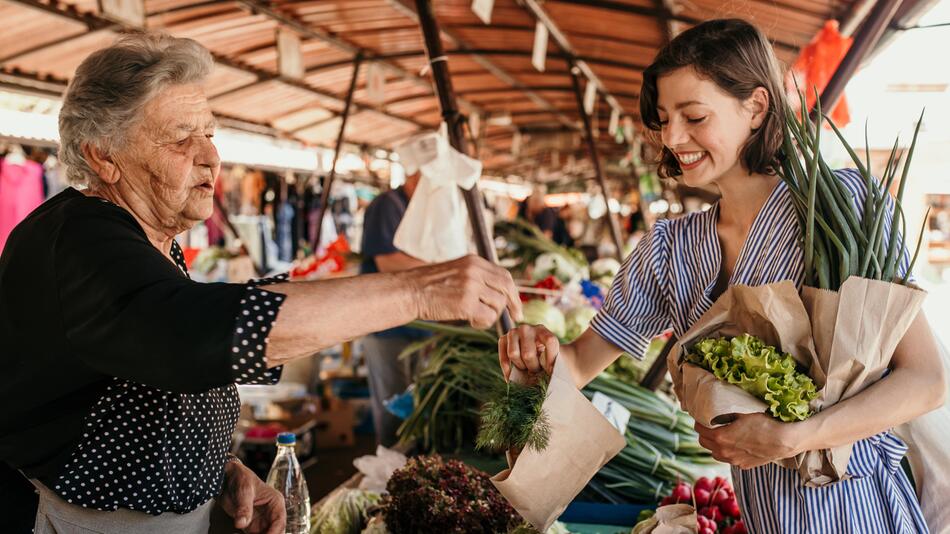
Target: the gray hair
pixel 111 86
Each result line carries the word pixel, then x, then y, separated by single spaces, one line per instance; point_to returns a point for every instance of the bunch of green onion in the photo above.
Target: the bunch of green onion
pixel 839 242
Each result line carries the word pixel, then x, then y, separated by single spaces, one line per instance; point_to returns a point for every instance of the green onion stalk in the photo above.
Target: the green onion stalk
pixel 839 240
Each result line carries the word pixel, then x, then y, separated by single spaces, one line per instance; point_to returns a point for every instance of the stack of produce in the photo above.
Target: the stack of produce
pixel 523 244
pixel 345 512
pixel 662 447
pixel 463 371
pixel 715 503
pixel 434 495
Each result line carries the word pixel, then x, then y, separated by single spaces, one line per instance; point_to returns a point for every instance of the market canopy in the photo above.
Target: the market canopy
pixel 519 114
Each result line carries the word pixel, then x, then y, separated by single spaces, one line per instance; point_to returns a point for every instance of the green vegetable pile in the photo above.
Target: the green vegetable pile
pixel 662 447
pixel 543 313
pixel 514 418
pixel 759 369
pixel 432 495
pixel 524 243
pixel 838 241
pixel 343 513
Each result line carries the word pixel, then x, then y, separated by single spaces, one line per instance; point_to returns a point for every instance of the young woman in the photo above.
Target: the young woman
pixel 714 95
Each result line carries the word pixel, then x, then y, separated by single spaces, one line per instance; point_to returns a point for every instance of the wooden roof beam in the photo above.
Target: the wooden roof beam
pixel 94 22
pixel 305 29
pixel 407 8
pixel 657 12
pixel 538 12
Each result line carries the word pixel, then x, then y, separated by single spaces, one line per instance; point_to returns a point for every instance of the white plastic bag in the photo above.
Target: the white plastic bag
pixel 434 226
pixel 929 456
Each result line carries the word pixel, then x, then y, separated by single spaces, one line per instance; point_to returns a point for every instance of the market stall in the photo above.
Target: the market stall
pixel 544 96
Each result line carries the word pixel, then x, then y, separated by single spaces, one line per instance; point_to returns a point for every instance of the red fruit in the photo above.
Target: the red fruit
pixel 719 497
pixel 667 501
pixel 704 522
pixel 702 497
pixel 682 493
pixel 707 530
pixel 739 527
pixel 730 508
pixel 720 482
pixel 704 484
pixel 711 512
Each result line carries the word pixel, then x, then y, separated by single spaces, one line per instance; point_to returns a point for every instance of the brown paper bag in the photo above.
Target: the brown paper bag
pixel 540 485
pixel 844 339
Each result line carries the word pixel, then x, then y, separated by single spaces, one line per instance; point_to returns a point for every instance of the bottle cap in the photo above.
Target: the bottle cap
pixel 286 438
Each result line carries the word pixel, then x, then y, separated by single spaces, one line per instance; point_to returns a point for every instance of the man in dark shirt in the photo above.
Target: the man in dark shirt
pixel 388 375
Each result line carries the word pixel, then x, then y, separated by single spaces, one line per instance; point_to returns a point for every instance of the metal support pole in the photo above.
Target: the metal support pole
pixel 592 151
pixel 865 40
pixel 328 183
pixel 657 372
pixel 438 63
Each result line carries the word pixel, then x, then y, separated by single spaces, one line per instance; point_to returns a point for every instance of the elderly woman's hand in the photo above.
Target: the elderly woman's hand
pixel 256 507
pixel 751 440
pixel 470 289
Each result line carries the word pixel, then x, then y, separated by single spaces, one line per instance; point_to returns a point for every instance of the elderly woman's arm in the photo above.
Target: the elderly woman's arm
pixel 319 314
pixel 129 312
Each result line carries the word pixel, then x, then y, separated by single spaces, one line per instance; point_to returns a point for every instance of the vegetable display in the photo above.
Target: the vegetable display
pixel 662 447
pixel 524 244
pixel 345 512
pixel 759 369
pixel 715 503
pixel 543 313
pixel 430 494
pixel 838 241
pixel 462 373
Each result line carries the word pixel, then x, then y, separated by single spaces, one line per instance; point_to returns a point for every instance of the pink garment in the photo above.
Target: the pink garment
pixel 21 191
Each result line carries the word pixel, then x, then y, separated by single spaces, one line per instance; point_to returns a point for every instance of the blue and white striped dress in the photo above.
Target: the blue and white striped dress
pixel 667 282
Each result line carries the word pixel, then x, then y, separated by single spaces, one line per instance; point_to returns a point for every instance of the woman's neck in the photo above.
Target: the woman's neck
pixel 742 197
pixel 158 237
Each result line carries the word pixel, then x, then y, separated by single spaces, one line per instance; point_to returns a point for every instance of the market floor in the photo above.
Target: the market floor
pixel 332 468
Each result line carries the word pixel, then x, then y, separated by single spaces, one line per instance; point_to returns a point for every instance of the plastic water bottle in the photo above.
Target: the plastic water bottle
pixel 286 477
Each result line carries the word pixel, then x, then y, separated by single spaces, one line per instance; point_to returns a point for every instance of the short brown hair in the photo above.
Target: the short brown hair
pixel 738 58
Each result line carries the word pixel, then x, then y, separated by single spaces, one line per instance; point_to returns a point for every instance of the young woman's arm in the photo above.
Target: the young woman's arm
pixel 916 385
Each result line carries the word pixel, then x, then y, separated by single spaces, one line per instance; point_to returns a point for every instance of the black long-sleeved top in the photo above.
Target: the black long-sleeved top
pixel 119 371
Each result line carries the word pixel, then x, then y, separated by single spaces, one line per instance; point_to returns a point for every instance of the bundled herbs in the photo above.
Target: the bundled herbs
pixel 746 361
pixel 514 418
pixel 446 496
pixel 838 240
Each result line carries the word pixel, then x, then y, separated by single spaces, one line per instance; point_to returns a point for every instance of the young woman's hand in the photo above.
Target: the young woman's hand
pixel 751 440
pixel 528 348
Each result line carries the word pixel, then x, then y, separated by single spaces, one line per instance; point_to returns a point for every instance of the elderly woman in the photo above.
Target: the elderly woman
pixel 118 389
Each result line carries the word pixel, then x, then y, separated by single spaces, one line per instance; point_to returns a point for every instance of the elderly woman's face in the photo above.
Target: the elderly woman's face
pixel 170 159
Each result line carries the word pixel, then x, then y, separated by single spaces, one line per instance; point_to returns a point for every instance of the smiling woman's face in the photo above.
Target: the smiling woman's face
pixel 705 127
pixel 170 158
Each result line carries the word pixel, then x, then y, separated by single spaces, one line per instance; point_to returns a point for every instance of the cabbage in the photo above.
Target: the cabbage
pixel 604 268
pixel 540 312
pixel 561 267
pixel 576 321
pixel 746 361
pixel 343 513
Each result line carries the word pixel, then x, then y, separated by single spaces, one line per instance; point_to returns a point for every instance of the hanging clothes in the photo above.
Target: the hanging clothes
pixel 285 239
pixel 21 191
